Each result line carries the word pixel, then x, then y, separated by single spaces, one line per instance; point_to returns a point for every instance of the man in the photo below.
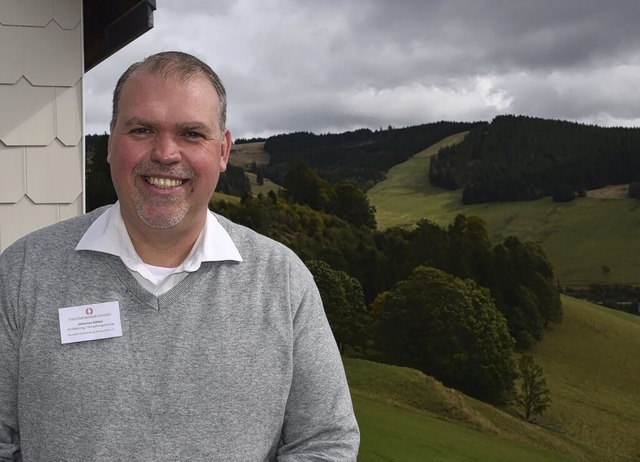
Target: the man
pixel 156 330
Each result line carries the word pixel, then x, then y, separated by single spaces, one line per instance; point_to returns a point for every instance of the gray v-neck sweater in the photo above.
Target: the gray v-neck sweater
pixel 235 363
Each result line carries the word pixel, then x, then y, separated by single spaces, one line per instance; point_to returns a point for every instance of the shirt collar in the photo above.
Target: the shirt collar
pixel 108 234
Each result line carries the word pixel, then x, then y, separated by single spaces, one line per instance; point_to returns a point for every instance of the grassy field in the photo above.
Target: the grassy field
pixel 580 237
pixel 589 362
pixel 265 188
pixel 217 196
pixel 395 434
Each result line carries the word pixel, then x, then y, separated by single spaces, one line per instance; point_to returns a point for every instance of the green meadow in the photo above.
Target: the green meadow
pixel 392 433
pixel 265 188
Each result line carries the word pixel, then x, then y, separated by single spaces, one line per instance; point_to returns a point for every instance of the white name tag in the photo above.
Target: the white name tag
pixel 90 322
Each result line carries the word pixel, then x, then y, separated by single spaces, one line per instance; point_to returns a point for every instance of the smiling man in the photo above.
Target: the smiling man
pixel 155 329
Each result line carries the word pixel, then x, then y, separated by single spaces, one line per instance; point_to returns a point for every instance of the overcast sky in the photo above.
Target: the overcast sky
pixel 337 65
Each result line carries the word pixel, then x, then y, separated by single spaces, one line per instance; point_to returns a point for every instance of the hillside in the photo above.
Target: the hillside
pixel 587 362
pixel 361 157
pixel 580 237
pixel 590 361
pixel 246 155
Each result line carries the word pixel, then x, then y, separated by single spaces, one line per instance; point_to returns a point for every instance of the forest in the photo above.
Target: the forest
pixel 517 158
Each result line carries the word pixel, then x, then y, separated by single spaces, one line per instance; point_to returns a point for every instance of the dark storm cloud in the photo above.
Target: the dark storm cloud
pixel 335 65
pixel 522 34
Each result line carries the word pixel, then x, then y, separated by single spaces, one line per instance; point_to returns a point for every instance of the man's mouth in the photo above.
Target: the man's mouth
pixel 163 183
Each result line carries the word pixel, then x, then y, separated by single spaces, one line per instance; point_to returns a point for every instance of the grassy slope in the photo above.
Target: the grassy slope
pixel 393 433
pixel 406 415
pixel 578 237
pixel 218 196
pixel 589 362
pixel 265 188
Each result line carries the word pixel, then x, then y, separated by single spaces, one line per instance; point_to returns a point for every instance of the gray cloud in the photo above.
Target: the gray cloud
pixel 338 65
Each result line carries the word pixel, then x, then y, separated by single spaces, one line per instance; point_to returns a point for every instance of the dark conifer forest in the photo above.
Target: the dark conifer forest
pixel 525 158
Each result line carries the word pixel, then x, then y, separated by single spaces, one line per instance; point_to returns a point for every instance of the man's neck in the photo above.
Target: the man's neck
pixel 164 247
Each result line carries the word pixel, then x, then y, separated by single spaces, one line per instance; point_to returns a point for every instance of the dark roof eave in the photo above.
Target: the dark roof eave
pixel 111 25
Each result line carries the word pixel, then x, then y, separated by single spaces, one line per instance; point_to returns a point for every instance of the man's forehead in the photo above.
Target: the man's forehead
pixel 143 87
pixel 142 106
pixel 144 76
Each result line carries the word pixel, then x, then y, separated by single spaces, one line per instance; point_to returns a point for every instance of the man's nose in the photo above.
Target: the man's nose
pixel 165 150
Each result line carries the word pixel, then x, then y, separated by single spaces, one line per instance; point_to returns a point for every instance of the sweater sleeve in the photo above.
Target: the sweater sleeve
pixel 9 342
pixel 319 423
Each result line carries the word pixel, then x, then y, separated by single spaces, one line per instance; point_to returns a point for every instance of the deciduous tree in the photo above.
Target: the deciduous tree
pixel 449 328
pixel 344 305
pixel 533 395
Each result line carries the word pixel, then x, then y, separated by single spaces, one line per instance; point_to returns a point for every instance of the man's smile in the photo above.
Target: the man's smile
pixel 163 182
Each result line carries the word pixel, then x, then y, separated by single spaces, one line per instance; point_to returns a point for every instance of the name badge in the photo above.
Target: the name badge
pixel 90 322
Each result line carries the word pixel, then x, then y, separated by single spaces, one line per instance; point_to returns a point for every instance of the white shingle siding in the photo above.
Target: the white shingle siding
pixel 45 188
pixel 35 13
pixel 67 13
pixel 12 177
pixel 10 53
pixel 52 56
pixel 27 117
pixel 41 69
pixel 69 114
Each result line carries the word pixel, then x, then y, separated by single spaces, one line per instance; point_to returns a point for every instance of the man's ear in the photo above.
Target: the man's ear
pixel 109 149
pixel 225 150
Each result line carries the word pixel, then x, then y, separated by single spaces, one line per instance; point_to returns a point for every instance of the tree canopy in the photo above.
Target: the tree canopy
pixel 451 329
pixel 344 305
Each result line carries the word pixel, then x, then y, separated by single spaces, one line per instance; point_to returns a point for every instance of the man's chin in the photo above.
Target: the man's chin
pixel 161 220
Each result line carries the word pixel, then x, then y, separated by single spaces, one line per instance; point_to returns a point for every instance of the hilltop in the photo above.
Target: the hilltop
pixel 361 157
pixel 526 158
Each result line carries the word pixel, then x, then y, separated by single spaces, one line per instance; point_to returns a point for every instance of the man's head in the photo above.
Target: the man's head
pixel 176 64
pixel 168 142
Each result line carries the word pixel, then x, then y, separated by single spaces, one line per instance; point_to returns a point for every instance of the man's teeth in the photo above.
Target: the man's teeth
pixel 164 182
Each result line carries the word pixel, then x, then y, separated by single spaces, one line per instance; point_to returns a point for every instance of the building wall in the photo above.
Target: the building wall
pixel 41 120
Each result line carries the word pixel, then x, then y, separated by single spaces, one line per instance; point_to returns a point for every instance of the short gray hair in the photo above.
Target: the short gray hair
pixel 173 64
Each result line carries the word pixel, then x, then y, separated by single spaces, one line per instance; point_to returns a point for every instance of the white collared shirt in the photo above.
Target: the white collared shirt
pixel 108 234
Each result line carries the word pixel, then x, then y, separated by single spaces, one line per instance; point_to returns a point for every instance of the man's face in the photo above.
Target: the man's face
pixel 166 150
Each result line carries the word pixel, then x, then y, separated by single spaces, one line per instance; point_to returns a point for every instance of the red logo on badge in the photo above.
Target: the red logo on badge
pixel 89 311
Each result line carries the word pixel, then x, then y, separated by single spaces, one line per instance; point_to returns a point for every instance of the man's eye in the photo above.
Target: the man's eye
pixel 140 131
pixel 193 135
